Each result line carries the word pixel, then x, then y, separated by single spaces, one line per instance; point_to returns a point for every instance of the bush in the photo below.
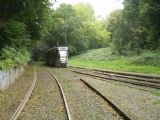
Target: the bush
pixel 14 33
pixel 147 58
pixel 12 57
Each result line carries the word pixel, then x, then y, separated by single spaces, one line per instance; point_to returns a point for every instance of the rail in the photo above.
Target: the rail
pixel 139 83
pixel 122 73
pixel 120 112
pixel 26 98
pixel 63 96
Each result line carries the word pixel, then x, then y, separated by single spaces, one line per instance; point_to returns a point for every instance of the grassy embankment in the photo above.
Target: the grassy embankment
pixel 104 58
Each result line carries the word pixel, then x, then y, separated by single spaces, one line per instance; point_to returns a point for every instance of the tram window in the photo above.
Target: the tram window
pixel 63 53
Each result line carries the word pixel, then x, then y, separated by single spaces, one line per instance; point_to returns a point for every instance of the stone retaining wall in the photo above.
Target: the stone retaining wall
pixel 7 77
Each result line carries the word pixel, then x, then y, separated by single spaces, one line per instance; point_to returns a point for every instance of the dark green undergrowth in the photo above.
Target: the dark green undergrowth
pixel 147 58
pixel 12 57
pixel 105 58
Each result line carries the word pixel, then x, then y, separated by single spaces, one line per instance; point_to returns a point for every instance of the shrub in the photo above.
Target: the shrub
pixel 14 33
pixel 147 58
pixel 12 57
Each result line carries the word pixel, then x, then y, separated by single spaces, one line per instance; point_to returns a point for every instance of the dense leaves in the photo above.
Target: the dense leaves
pixel 136 27
pixel 22 19
pixel 13 57
pixel 35 26
pixel 118 28
pixel 22 24
pixel 76 27
pixel 14 34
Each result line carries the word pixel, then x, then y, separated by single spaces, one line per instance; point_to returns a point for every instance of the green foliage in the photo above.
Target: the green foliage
pixel 96 34
pixel 142 17
pixel 136 27
pixel 76 27
pixel 22 24
pixel 120 34
pixel 38 51
pixel 84 11
pixel 12 57
pixel 120 65
pixel 150 14
pixel 102 54
pixel 105 58
pixel 31 12
pixel 147 58
pixel 14 34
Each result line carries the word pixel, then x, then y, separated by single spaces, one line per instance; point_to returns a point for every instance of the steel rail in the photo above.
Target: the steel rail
pixel 129 77
pixel 122 114
pixel 140 75
pixel 63 96
pixel 122 73
pixel 124 81
pixel 26 98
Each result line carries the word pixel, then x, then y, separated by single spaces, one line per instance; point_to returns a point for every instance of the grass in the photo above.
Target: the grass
pixel 156 94
pixel 104 58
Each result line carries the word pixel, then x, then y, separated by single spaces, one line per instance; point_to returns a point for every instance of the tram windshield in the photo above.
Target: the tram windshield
pixel 63 53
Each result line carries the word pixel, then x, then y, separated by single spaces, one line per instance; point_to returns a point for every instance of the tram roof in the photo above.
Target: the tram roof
pixel 59 48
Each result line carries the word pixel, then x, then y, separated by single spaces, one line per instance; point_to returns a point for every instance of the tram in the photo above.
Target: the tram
pixel 57 56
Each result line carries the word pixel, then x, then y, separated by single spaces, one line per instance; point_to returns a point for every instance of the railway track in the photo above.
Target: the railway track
pixel 84 93
pixel 63 96
pixel 118 110
pixel 127 74
pixel 128 77
pixel 19 110
pixel 125 79
pixel 153 79
pixel 26 98
pixel 138 81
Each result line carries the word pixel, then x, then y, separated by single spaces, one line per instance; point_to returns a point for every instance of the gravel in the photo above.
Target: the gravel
pixel 137 104
pixel 46 102
pixel 84 104
pixel 11 98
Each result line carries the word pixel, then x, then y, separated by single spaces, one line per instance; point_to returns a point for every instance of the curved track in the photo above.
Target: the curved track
pixel 19 110
pixel 63 96
pixel 26 98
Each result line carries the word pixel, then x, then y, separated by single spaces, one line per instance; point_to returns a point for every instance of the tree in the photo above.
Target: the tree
pixel 84 12
pixel 27 13
pixel 76 27
pixel 96 33
pixel 135 23
pixel 150 13
pixel 143 20
pixel 136 27
pixel 23 23
pixel 120 34
pixel 14 34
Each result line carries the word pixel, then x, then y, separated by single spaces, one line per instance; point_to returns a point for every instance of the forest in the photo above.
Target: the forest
pixel 29 27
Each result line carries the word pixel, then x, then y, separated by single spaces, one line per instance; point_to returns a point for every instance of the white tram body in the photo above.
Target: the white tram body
pixel 57 56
